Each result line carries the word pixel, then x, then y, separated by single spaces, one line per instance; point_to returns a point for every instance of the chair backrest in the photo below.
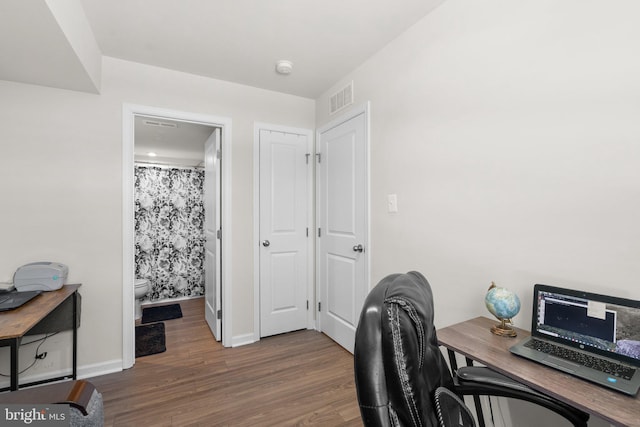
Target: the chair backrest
pixel 451 410
pixel 398 365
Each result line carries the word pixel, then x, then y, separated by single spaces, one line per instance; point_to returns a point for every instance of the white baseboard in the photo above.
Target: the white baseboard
pixel 242 340
pixel 149 303
pixel 26 379
pixel 103 368
pixel 86 371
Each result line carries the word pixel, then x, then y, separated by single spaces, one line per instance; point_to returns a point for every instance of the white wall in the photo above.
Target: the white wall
pixel 61 183
pixel 510 132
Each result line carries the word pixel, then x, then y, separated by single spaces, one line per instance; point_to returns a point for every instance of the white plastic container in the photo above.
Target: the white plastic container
pixel 40 276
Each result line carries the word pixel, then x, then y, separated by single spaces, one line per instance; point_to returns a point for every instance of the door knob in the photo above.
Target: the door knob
pixel 266 243
pixel 358 248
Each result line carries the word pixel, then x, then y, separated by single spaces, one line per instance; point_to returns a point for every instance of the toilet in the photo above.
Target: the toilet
pixel 141 291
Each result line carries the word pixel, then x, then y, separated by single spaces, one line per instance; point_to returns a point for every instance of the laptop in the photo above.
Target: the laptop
pixel 15 299
pixel 594 337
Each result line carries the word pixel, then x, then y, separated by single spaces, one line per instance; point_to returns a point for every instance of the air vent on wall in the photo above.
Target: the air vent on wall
pixel 160 124
pixel 341 99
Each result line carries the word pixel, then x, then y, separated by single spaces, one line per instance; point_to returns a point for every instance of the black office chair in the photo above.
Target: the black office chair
pixel 401 376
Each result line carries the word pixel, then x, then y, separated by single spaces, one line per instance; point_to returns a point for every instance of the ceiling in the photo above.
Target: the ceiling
pixel 52 43
pixel 241 40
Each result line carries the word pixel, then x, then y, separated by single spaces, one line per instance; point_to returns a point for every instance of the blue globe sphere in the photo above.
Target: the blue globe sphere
pixel 502 303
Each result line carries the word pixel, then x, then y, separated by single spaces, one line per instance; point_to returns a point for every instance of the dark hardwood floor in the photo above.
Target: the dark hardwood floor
pixel 299 378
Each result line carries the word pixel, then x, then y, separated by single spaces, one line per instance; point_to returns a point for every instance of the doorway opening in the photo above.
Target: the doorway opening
pixel 138 123
pixel 169 198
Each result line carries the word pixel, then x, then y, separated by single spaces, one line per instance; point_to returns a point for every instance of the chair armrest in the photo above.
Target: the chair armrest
pixel 477 380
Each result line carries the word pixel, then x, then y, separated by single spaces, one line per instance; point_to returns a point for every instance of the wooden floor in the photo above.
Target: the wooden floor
pixel 300 378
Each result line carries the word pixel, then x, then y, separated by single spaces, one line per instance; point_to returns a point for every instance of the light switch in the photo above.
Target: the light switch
pixel 392 203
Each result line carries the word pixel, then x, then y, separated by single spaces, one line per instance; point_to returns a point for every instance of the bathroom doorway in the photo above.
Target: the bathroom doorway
pixel 169 193
pixel 177 143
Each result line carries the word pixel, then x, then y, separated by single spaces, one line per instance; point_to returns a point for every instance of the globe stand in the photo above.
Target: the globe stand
pixel 503 329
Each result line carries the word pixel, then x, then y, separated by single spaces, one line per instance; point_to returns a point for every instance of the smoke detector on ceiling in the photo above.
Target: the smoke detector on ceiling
pixel 284 67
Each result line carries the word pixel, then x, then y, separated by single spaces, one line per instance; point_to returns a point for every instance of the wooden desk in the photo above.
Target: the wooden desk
pixel 48 312
pixel 474 340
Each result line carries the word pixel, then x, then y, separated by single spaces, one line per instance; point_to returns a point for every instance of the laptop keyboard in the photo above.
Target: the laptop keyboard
pixel 589 361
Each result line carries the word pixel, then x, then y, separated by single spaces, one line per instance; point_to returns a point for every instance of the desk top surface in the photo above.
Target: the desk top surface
pixel 474 340
pixel 15 323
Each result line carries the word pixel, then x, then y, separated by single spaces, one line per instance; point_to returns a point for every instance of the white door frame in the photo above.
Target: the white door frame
pixel 129 111
pixel 257 127
pixel 353 112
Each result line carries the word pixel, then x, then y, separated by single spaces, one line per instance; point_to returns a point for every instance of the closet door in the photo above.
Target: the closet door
pixel 342 218
pixel 284 236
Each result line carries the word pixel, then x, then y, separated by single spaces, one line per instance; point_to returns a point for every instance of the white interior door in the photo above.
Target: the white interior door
pixel 212 276
pixel 342 180
pixel 283 235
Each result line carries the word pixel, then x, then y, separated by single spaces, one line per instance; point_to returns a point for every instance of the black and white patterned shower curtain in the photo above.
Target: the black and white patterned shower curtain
pixel 169 230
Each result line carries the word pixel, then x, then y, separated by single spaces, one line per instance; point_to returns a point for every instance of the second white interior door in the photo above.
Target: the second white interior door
pixel 343 242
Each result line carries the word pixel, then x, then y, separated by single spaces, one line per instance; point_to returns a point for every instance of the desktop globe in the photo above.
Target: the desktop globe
pixel 504 305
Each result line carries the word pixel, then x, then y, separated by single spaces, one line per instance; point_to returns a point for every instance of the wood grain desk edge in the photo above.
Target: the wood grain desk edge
pixel 467 337
pixel 16 323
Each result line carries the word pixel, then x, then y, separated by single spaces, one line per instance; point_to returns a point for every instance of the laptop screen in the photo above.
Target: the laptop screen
pixel 603 324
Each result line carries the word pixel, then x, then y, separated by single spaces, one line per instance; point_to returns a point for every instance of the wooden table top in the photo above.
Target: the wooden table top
pixel 474 340
pixel 15 323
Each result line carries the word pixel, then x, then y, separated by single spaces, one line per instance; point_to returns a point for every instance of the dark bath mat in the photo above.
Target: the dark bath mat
pixel 150 339
pixel 161 312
